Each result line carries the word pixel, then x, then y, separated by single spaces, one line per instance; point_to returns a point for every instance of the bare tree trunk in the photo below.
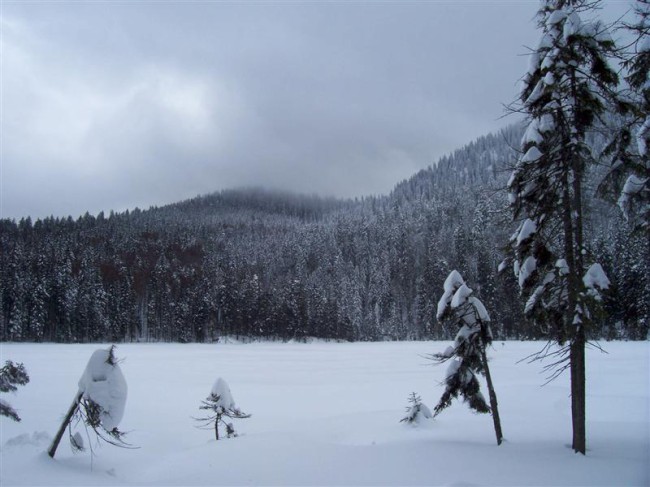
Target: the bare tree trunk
pixel 577 352
pixel 493 399
pixel 66 421
pixel 216 427
pixel 578 392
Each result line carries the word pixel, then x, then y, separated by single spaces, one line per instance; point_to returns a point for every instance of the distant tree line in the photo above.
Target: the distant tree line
pixel 256 263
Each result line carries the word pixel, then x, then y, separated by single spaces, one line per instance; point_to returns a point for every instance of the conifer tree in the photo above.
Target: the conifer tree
pixel 11 375
pixel 628 181
pixel 467 356
pixel 220 405
pixel 563 97
pixel 98 404
pixel 416 411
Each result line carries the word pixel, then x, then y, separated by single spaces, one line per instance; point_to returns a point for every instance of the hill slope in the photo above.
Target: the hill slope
pixel 262 263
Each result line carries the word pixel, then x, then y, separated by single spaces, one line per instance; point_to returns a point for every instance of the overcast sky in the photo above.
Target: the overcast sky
pixel 117 104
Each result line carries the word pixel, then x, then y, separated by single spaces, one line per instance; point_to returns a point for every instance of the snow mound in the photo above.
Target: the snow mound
pixel 38 439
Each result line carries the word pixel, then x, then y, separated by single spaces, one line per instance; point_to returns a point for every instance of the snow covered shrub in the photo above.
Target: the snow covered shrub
pixel 99 403
pixel 417 411
pixel 467 356
pixel 221 404
pixel 11 375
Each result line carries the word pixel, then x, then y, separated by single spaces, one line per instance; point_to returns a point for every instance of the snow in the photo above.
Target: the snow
pixel 533 62
pixel 460 296
pixel 562 267
pixel 531 135
pixel 452 368
pixel 536 93
pixel 549 79
pixel 572 26
pixel 454 281
pixel 328 414
pixel 633 185
pixel 105 385
pixel 222 390
pixel 539 290
pixel 528 228
pixel 546 123
pixel 480 309
pixel 595 280
pixel 556 17
pixel 527 268
pixel 641 137
pixel 531 155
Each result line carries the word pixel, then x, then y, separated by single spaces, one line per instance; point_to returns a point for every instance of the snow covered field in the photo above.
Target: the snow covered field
pixel 328 414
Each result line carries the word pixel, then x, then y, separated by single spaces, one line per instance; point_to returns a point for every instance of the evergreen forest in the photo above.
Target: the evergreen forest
pixel 257 263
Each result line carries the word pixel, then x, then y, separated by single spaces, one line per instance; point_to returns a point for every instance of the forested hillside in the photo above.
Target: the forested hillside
pixel 268 264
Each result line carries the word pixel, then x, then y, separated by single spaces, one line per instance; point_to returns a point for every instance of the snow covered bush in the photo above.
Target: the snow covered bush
pixel 99 402
pixel 11 375
pixel 467 356
pixel 221 404
pixel 417 411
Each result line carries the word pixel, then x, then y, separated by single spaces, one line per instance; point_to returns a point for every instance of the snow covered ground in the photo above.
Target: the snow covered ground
pixel 328 414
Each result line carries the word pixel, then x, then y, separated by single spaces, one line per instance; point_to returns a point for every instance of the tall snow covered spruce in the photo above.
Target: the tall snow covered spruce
pixel 99 402
pixel 11 375
pixel 467 357
pixel 563 96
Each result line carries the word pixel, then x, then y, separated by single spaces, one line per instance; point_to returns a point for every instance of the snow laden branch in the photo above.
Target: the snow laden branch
pixel 628 180
pixel 11 376
pixel 220 405
pixel 99 403
pixel 467 357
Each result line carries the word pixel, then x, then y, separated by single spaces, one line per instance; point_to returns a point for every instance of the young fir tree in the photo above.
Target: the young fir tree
pixel 98 404
pixel 628 180
pixel 467 356
pixel 563 93
pixel 416 411
pixel 221 405
pixel 11 375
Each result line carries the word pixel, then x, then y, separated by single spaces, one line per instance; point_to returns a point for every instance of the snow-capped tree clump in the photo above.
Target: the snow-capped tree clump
pixel 103 384
pixel 467 357
pixel 11 375
pixel 567 84
pixel 220 404
pixel 99 402
pixel 416 411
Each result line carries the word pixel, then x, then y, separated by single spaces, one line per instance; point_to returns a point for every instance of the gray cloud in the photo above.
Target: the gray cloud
pixel 116 105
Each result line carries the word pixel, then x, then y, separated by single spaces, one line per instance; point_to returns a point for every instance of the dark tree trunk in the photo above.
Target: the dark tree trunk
pixel 66 421
pixel 577 352
pixel 493 399
pixel 578 392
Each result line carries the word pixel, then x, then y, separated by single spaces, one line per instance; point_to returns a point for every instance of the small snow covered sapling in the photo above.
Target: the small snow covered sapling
pixel 467 355
pixel 98 404
pixel 221 404
pixel 11 375
pixel 416 411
